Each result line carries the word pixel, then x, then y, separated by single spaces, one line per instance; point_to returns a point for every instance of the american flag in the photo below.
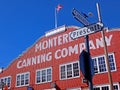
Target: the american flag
pixel 59 7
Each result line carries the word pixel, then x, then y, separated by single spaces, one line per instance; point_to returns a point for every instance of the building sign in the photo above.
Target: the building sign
pixel 45 47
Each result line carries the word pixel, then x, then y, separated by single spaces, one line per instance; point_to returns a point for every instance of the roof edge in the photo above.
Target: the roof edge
pixel 67 27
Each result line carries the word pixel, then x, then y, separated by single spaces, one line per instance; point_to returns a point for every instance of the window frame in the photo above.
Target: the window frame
pixel 65 65
pixel 100 86
pixel 97 63
pixel 40 76
pixel 24 80
pixel 6 77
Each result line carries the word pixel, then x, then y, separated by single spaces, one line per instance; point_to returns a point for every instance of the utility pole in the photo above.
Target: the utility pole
pixel 88 50
pixel 105 49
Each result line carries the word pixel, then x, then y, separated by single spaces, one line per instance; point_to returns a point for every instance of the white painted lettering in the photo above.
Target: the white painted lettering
pixel 65 38
pixel 38 59
pixel 73 49
pixel 42 58
pixel 24 64
pixel 91 45
pixel 82 47
pixel 57 54
pixel 49 56
pixel 60 40
pixel 64 52
pixel 108 40
pixel 37 47
pixel 55 41
pixel 19 64
pixel 50 41
pixel 45 45
pixel 99 43
pixel 67 50
pixel 28 61
pixel 33 60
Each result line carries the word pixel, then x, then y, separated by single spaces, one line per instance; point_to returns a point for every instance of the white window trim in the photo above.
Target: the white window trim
pixel 7 77
pixel 20 79
pixel 66 70
pixel 46 77
pixel 73 88
pixel 114 62
pixel 103 85
pixel 105 63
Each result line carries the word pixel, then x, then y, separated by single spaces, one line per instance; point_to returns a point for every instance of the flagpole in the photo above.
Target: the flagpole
pixel 57 9
pixel 55 17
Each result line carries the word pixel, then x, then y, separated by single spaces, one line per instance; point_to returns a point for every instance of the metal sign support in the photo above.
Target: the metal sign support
pixel 85 22
pixel 88 50
pixel 105 50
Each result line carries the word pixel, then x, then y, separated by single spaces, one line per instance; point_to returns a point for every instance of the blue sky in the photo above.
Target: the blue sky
pixel 22 22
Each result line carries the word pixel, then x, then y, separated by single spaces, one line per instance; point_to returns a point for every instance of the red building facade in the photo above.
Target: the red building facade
pixel 52 63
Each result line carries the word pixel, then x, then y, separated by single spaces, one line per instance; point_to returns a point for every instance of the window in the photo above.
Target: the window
pixel 95 65
pixel 111 60
pixel 75 69
pixel 26 78
pixel 97 88
pixel 100 63
pixel 69 70
pixel 49 75
pixel 116 87
pixel 63 73
pixel 106 87
pixel 74 89
pixel 22 79
pixel 6 80
pixel 44 75
pixel 18 80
